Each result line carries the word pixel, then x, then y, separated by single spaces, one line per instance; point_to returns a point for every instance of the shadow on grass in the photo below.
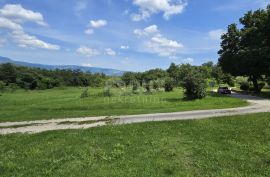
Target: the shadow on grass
pixel 209 93
pixel 215 94
pixel 265 94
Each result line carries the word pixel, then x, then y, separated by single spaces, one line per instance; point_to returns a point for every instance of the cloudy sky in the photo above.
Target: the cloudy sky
pixel 133 35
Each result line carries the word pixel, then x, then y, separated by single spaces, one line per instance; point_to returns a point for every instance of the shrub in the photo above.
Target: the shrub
pixel 195 86
pixel 48 83
pixel 85 93
pixel 135 87
pixel 155 85
pixel 168 86
pixel 147 87
pixel 245 85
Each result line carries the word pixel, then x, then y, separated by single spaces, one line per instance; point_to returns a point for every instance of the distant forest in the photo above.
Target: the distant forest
pixel 35 78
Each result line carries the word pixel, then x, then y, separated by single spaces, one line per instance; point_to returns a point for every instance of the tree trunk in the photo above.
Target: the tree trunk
pixel 255 84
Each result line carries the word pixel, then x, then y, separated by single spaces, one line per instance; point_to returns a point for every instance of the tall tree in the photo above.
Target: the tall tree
pixel 245 51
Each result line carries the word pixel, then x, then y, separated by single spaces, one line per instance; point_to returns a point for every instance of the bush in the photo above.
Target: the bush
pixel 85 93
pixel 245 85
pixel 147 87
pixel 47 83
pixel 168 86
pixel 135 87
pixel 155 85
pixel 195 86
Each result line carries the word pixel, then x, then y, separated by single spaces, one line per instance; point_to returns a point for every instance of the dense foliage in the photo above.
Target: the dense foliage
pixel 246 51
pixel 34 78
pixel 195 85
pixel 192 78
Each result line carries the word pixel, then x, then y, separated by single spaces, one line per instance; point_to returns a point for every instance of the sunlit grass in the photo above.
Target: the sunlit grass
pixel 66 103
pixel 228 146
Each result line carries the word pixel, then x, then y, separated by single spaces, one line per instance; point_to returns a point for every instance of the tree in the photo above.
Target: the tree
pixel 195 85
pixel 128 78
pixel 168 85
pixel 228 79
pixel 245 51
pixel 173 72
pixel 8 73
pixel 154 74
pixel 208 64
pixel 217 74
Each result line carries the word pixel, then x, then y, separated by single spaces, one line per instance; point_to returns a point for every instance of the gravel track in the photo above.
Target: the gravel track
pixel 256 105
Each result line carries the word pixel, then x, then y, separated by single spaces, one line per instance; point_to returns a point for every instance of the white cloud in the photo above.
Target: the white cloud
pixel 89 52
pixel 97 23
pixel 87 65
pixel 10 25
pixel 12 16
pixel 150 7
pixel 25 40
pixel 163 46
pixel 124 47
pixel 89 31
pixel 155 42
pixel 141 16
pixel 151 29
pixel 109 51
pixel 94 24
pixel 146 31
pixel 216 34
pixel 188 61
pixel 18 14
pixel 92 52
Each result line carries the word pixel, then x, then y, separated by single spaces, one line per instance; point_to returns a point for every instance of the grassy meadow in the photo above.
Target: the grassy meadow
pixel 66 102
pixel 227 146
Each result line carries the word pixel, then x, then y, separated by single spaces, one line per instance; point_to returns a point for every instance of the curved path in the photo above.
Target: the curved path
pixel 256 105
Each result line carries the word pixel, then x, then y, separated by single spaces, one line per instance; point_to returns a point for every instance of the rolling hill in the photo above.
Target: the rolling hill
pixel 106 71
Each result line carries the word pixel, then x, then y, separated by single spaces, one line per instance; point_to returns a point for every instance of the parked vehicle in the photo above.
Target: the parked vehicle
pixel 224 90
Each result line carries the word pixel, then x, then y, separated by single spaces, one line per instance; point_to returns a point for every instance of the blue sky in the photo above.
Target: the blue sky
pixel 133 35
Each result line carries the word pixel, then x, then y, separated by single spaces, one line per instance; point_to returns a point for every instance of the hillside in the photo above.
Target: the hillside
pixel 106 71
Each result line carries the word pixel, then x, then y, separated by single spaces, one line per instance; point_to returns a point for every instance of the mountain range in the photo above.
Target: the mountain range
pixel 106 71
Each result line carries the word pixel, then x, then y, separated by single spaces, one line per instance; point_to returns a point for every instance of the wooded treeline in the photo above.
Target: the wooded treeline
pixel 35 78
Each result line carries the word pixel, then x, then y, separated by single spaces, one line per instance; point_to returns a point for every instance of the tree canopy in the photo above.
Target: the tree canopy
pixel 246 51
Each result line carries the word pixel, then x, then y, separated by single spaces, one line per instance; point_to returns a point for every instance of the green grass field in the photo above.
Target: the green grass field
pixel 228 146
pixel 66 102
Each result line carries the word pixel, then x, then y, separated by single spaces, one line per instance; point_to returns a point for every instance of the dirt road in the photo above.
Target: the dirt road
pixel 256 105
